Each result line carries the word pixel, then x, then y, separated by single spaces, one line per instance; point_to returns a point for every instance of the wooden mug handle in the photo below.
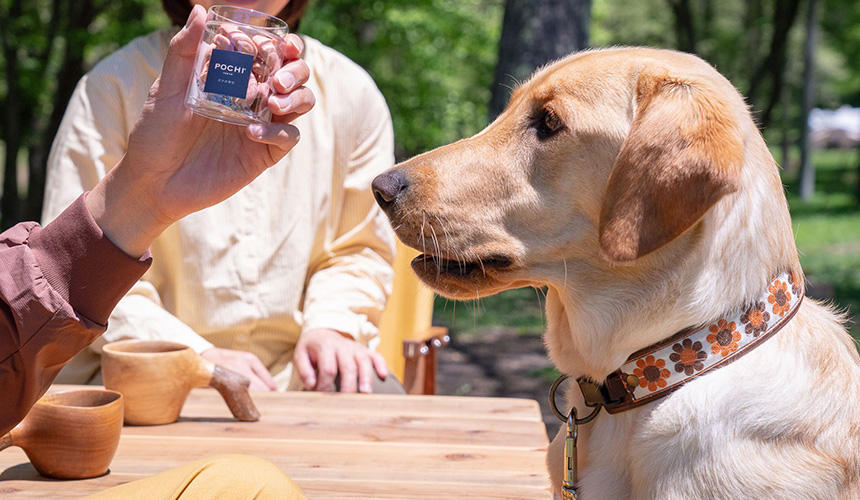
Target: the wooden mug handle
pixel 234 389
pixel 6 441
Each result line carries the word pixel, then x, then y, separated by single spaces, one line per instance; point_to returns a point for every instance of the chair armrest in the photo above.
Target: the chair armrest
pixel 419 375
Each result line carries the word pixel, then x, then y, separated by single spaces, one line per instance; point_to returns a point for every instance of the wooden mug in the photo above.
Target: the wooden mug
pixel 156 376
pixel 70 435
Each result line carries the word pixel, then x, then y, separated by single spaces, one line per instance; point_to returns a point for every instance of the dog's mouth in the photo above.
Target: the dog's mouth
pixel 460 278
pixel 461 268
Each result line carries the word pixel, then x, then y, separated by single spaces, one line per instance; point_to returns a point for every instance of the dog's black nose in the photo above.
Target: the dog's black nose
pixel 386 187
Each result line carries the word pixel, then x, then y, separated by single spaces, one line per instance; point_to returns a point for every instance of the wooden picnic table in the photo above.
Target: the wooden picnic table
pixel 335 446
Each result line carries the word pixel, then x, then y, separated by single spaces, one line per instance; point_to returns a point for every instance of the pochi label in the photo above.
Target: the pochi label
pixel 228 73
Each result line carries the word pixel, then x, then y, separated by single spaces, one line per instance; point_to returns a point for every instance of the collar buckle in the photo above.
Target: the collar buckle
pixel 614 390
pixel 591 392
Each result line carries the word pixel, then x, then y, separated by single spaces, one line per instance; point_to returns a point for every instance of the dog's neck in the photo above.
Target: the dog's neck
pixel 659 369
pixel 712 270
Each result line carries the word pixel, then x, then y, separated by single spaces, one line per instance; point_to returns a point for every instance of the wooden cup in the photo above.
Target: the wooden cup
pixel 70 435
pixel 156 376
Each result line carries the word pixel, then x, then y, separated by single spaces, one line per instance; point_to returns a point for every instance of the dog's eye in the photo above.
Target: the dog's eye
pixel 547 124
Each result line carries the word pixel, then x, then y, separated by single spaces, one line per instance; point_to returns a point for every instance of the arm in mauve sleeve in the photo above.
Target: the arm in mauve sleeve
pixel 58 285
pixel 92 138
pixel 350 282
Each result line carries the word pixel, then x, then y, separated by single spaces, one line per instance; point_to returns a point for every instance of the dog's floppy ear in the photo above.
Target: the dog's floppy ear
pixel 682 154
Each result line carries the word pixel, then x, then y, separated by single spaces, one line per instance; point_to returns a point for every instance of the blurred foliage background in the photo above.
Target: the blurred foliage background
pixel 432 59
pixel 440 64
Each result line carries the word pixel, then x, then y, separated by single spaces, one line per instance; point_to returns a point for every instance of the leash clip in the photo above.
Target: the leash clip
pixel 568 484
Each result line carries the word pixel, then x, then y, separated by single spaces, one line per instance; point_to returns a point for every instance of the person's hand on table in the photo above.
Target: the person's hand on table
pixel 178 162
pixel 322 355
pixel 244 363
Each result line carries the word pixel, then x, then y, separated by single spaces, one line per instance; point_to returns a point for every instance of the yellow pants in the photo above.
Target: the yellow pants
pixel 221 477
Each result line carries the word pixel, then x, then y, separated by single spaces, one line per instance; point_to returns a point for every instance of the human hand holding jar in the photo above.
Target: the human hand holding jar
pixel 178 162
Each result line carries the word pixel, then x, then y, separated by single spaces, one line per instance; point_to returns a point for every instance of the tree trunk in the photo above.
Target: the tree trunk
pixel 857 186
pixel 752 35
pixel 535 32
pixel 10 207
pixel 11 202
pixel 37 159
pixel 79 14
pixel 773 66
pixel 807 168
pixel 685 30
pixel 785 142
pixel 708 19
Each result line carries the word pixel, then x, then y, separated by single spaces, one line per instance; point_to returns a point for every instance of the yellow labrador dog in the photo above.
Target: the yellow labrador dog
pixel 634 185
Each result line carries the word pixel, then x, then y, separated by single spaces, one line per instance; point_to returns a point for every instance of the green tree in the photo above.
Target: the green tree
pixel 685 25
pixel 46 47
pixel 839 82
pixel 433 60
pixel 772 67
pixel 807 168
pixel 534 33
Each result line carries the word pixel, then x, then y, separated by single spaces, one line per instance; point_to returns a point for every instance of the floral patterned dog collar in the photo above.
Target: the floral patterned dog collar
pixel 657 370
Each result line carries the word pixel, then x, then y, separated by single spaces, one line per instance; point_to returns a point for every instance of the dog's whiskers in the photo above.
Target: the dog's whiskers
pixel 563 260
pixel 456 254
pixel 540 291
pixel 423 239
pixel 435 241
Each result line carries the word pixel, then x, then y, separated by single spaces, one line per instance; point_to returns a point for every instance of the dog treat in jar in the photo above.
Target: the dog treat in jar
pixel 240 51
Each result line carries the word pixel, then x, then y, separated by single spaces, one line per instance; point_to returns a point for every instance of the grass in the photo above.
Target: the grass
pixel 520 309
pixel 827 230
pixel 547 374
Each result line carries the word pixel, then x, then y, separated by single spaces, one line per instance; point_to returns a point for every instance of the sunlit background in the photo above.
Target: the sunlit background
pixel 440 65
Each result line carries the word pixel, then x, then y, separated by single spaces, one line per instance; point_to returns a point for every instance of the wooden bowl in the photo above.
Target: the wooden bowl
pixel 70 435
pixel 156 376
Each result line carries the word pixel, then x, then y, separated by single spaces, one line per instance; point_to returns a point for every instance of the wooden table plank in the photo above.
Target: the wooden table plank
pixel 330 405
pixel 398 429
pixel 385 418
pixel 336 446
pixel 324 460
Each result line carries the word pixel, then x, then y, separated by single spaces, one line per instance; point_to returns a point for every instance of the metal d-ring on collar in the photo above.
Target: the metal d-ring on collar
pixel 568 484
pixel 552 390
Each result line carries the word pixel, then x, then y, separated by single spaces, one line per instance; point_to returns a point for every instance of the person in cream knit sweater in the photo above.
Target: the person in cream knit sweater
pixel 284 282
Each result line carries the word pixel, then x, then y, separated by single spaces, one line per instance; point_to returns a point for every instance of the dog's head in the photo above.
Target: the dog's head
pixel 605 160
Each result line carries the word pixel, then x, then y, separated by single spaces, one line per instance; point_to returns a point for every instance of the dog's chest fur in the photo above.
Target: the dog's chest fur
pixel 738 432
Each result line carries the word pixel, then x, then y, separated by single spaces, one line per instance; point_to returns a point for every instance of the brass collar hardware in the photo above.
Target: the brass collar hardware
pixel 568 484
pixel 561 416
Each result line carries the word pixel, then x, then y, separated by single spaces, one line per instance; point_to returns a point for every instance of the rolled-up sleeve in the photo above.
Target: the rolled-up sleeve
pixel 58 285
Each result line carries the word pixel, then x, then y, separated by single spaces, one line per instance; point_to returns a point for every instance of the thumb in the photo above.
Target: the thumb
pixel 280 135
pixel 179 62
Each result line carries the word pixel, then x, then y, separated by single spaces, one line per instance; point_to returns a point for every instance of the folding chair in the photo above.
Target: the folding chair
pixel 408 342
